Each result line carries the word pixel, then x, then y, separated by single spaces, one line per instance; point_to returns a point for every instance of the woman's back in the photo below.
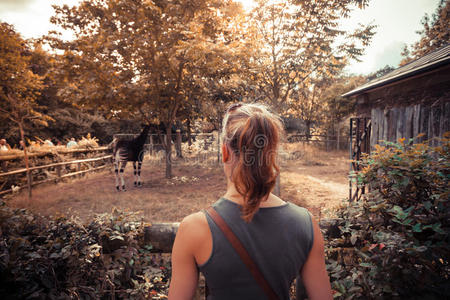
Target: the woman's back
pixel 278 239
pixel 281 238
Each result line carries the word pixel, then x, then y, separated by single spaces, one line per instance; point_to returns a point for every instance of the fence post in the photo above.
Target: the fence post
pixel 350 144
pixel 58 173
pixel 30 182
pixel 79 169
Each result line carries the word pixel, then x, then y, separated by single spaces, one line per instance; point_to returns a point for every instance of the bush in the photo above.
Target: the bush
pixel 59 258
pixel 398 235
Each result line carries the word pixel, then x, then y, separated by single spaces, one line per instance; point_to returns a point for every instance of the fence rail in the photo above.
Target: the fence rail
pixel 7 157
pixel 58 167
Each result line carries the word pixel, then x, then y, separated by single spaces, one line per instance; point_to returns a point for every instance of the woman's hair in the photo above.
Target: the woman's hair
pixel 252 133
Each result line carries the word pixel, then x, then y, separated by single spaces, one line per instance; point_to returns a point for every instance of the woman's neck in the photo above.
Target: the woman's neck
pixel 233 195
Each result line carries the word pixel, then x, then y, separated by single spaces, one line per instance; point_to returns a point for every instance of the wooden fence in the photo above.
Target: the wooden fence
pixel 58 167
pixel 17 156
pixel 325 142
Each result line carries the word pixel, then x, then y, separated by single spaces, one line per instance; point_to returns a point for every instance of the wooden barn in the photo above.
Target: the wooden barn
pixel 413 99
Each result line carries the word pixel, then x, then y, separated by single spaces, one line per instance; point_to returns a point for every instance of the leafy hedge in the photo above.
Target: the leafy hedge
pixel 397 238
pixel 43 258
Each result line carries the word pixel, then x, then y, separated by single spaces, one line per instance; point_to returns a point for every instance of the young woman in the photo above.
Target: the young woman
pixel 282 239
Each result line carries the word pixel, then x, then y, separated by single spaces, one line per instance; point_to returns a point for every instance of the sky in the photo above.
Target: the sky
pixel 397 21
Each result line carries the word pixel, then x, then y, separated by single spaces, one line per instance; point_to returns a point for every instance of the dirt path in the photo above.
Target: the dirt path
pixel 319 188
pixel 315 185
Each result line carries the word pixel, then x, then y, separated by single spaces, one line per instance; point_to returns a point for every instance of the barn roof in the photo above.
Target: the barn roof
pixel 428 62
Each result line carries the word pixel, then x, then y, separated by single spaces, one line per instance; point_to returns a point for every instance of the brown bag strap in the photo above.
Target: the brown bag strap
pixel 243 254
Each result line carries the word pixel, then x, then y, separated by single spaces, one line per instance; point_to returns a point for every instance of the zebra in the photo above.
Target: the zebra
pixel 125 151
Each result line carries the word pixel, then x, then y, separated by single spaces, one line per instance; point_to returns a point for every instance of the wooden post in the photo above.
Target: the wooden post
pixel 58 173
pixel 79 169
pixel 27 165
pixel 350 144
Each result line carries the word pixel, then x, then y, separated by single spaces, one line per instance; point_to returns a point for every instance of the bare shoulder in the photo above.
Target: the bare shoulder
pixel 193 225
pixel 194 219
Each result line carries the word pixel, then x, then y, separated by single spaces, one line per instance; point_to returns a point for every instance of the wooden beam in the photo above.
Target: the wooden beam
pixel 162 235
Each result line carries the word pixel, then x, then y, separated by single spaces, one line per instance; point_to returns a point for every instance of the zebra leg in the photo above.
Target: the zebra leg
pixel 116 171
pixel 122 168
pixel 135 173
pixel 139 173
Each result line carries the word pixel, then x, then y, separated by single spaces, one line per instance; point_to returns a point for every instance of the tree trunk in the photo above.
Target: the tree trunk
pixel 162 235
pixel 308 130
pixel 189 138
pixel 178 144
pixel 25 157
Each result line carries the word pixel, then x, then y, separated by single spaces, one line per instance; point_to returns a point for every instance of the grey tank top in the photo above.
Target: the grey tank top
pixel 278 239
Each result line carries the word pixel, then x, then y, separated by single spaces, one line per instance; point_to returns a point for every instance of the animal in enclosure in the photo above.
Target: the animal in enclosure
pixel 125 151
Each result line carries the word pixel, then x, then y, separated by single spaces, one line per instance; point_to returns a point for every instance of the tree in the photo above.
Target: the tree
pixel 19 86
pixel 435 33
pixel 320 105
pixel 380 72
pixel 338 108
pixel 144 58
pixel 308 104
pixel 300 39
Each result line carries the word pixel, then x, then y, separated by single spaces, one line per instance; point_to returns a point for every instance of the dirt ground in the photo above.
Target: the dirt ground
pixel 313 179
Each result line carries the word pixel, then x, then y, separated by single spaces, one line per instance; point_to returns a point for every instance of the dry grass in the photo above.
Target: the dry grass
pixel 318 181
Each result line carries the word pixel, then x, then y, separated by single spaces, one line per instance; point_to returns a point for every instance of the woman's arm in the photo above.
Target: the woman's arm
pixel 184 280
pixel 314 274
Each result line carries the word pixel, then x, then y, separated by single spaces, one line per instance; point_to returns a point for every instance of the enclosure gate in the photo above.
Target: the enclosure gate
pixel 359 143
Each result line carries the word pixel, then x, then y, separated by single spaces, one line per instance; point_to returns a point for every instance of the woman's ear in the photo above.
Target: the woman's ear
pixel 225 153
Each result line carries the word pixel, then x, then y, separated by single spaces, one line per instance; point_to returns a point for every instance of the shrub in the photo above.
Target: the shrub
pixel 59 258
pixel 398 235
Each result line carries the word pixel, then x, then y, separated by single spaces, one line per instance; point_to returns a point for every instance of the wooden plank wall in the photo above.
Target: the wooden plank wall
pixel 407 122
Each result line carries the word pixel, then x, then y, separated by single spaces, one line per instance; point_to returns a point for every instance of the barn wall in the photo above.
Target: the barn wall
pixel 427 89
pixel 407 122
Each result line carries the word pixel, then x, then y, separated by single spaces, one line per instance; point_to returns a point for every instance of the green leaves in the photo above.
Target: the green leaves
pixel 399 233
pixel 400 215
